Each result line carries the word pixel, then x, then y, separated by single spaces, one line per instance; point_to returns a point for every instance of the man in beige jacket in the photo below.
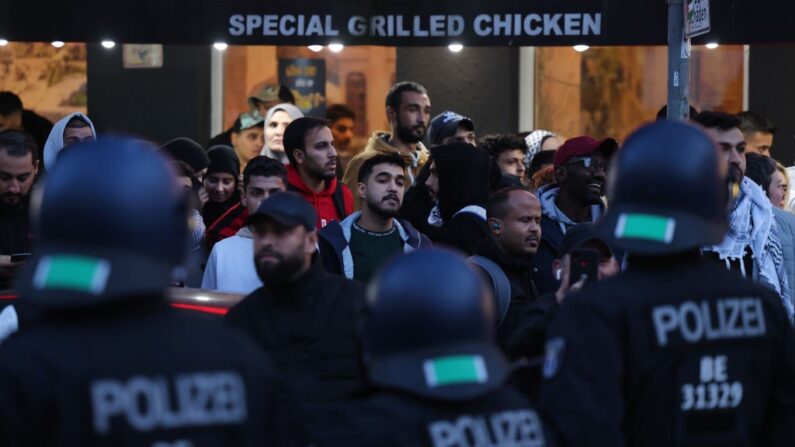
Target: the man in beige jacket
pixel 408 109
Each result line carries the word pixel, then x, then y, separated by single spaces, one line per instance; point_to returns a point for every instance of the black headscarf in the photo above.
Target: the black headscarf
pixel 222 159
pixel 465 177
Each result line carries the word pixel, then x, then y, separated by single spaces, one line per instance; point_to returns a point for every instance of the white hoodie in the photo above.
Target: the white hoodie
pixel 54 142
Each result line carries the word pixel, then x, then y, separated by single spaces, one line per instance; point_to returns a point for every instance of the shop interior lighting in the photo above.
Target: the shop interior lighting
pixel 3 42
pixel 455 47
pixel 108 44
pixel 581 48
pixel 712 45
pixel 220 46
pixel 316 48
pixel 57 43
pixel 336 47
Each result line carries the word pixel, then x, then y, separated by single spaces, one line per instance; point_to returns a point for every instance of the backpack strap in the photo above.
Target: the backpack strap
pixel 339 201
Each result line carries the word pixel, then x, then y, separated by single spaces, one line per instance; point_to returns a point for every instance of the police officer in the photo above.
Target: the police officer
pixel 438 376
pixel 109 362
pixel 677 350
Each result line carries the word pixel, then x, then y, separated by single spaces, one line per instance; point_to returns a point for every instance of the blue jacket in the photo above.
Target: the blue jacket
pixel 335 251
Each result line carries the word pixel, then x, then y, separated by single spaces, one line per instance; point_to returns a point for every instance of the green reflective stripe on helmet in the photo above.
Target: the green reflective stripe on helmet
pixel 78 273
pixel 454 370
pixel 645 226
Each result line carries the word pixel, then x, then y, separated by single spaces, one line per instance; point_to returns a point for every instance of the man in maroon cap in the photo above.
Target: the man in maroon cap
pixel 575 197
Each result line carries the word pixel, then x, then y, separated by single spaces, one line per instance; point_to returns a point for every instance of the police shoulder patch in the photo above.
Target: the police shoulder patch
pixel 553 356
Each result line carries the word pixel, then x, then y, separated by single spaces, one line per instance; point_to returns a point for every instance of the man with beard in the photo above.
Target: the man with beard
pixel 576 197
pixel 360 244
pixel 514 221
pixel 304 317
pixel 752 245
pixel 18 167
pixel 342 121
pixel 312 171
pixel 408 110
pixel 229 267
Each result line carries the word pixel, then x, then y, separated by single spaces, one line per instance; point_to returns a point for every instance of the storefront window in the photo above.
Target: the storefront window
pixel 50 81
pixel 358 77
pixel 610 91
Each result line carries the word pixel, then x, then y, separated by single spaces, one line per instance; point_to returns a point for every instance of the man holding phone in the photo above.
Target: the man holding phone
pixel 18 169
pixel 583 258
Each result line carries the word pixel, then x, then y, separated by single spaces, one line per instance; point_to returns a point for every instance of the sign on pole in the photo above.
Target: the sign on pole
pixel 696 18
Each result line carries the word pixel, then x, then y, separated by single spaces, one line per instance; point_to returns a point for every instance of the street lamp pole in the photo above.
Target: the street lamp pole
pixel 678 62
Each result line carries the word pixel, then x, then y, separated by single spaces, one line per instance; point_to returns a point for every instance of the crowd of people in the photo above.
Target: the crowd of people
pixel 431 288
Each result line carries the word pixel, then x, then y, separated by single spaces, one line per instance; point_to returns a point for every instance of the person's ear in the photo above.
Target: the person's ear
pixel 361 188
pixel 311 242
pixel 391 114
pixel 560 174
pixel 235 137
pixel 495 226
pixel 300 156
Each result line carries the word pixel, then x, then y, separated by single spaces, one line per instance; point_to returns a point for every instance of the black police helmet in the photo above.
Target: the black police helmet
pixel 110 223
pixel 432 326
pixel 668 191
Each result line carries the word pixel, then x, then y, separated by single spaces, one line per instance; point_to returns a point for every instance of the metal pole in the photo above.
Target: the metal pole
pixel 678 62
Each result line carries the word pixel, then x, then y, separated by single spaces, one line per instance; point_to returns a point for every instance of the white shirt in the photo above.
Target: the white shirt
pixel 231 265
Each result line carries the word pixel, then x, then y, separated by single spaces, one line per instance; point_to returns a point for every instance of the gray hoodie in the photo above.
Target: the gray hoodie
pixel 54 143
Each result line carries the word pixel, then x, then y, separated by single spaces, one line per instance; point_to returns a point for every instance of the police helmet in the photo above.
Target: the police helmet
pixel 668 191
pixel 110 222
pixel 432 328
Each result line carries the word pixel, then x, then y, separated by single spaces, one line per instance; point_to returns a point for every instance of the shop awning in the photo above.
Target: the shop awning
pixel 394 23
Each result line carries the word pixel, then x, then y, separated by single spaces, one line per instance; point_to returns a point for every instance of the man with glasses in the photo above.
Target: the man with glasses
pixel 575 197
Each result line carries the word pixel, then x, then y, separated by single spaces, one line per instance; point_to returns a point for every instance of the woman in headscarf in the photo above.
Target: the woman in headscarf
pixel 277 119
pixel 221 183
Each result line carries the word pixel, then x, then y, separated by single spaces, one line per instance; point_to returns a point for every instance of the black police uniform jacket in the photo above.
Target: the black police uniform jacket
pixel 676 351
pixel 310 328
pixel 501 418
pixel 134 373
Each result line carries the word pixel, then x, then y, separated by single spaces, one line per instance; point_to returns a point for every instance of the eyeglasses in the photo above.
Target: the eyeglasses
pixel 589 163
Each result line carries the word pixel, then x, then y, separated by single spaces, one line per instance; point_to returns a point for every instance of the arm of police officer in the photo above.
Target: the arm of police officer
pixel 581 391
pixel 780 415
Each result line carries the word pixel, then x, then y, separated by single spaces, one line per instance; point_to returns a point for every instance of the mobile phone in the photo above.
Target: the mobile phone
pixel 584 262
pixel 20 257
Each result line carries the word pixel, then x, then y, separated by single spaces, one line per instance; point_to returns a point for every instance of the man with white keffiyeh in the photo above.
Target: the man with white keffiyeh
pixel 752 245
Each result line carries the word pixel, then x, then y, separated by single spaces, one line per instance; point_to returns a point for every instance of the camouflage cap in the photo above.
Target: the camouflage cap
pixel 248 120
pixel 266 93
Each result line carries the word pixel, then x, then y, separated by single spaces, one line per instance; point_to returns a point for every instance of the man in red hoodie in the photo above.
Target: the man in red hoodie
pixel 309 146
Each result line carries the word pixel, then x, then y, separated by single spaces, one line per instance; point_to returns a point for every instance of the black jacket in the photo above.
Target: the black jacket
pixel 134 373
pixel 311 329
pixel 393 419
pixel 523 291
pixel 39 127
pixel 676 351
pixel 15 234
pixel 463 232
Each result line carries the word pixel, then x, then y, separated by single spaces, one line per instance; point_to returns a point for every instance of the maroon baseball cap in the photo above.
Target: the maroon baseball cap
pixel 581 146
